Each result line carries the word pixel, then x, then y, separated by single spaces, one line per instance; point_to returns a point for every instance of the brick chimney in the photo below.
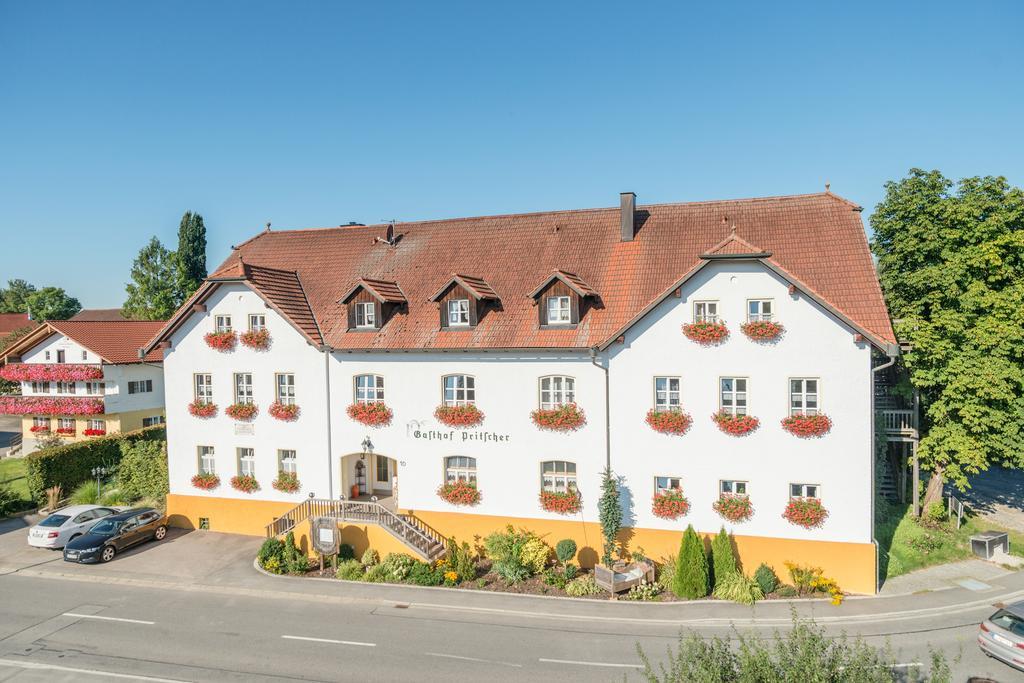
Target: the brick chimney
pixel 627 205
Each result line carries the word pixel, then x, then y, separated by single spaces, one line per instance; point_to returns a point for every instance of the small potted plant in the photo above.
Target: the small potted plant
pixel 706 333
pixel 202 409
pixel 669 421
pixel 242 411
pixel 565 418
pixel 737 425
pixel 246 483
pixel 286 482
pixel 375 414
pixel 734 507
pixel 762 330
pixel 221 341
pixel 459 493
pixel 256 339
pixel 671 504
pixel 286 412
pixel 807 426
pixel 562 502
pixel 460 416
pixel 206 481
pixel 806 512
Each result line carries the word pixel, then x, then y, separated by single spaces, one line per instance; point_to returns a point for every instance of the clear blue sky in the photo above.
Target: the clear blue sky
pixel 117 117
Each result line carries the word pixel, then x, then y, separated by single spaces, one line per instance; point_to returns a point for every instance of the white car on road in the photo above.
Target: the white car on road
pixel 65 524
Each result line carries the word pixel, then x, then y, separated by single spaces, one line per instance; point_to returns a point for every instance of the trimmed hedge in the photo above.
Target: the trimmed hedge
pixel 71 464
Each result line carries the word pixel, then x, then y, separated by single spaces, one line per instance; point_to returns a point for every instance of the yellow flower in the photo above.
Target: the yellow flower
pixel 451 576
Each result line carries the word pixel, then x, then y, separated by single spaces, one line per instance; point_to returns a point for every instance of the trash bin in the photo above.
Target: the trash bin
pixel 986 543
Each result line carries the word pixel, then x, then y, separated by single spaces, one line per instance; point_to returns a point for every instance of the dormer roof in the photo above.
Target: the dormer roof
pixel 735 247
pixel 475 286
pixel 570 280
pixel 384 291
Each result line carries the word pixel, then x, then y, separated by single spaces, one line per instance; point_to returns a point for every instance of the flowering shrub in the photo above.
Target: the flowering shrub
pixel 565 418
pixel 206 481
pixel 806 512
pixel 810 579
pixel 737 425
pixel 671 504
pixel 566 503
pixel 706 333
pixel 242 411
pixel 459 493
pixel 669 421
pixel 283 411
pixel 199 408
pixel 467 415
pixel 222 341
pixel 734 507
pixel 256 339
pixel 370 414
pixel 39 428
pixel 66 431
pixel 246 483
pixel 762 330
pixel 286 482
pixel 43 405
pixel 807 425
pixel 49 372
pixel 94 432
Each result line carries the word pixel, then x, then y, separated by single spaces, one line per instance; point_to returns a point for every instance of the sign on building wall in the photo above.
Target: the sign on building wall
pixel 423 430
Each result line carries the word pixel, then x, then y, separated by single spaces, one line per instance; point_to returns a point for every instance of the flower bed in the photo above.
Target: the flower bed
pixel 202 409
pixel 49 372
pixel 370 414
pixel 669 421
pixel 734 507
pixel 242 411
pixel 95 432
pixel 41 405
pixel 286 412
pixel 707 334
pixel 206 481
pixel 286 482
pixel 806 512
pixel 246 483
pixel 563 503
pixel 762 330
pixel 807 426
pixel 737 425
pixel 38 429
pixel 66 431
pixel 670 504
pixel 221 341
pixel 566 418
pixel 467 415
pixel 256 339
pixel 459 493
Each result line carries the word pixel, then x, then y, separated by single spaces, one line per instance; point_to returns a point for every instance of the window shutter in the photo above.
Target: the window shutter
pixel 378 314
pixel 443 308
pixel 352 315
pixel 542 307
pixel 474 307
pixel 574 308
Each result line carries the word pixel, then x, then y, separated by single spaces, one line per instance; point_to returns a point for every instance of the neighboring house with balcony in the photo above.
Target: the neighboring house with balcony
pixel 82 379
pixel 451 377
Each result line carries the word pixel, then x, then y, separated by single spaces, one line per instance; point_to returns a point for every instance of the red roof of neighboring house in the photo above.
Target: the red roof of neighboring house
pixel 116 342
pixel 9 322
pixel 98 315
pixel 815 241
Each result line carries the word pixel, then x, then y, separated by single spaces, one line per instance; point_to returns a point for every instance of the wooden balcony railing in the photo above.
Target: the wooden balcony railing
pixel 900 421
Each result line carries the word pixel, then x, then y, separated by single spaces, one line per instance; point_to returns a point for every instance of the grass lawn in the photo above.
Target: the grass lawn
pixel 12 473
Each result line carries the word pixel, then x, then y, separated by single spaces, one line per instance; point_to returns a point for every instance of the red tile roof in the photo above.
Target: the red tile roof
pixel 115 341
pixel 98 315
pixel 9 322
pixel 385 291
pixel 477 287
pixel 733 246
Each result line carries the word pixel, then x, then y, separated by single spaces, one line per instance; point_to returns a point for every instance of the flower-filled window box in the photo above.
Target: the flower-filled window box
pixel 706 333
pixel 565 418
pixel 286 412
pixel 459 493
pixel 734 507
pixel 95 432
pixel 562 502
pixel 221 341
pixel 763 330
pixel 42 405
pixel 242 411
pixel 671 504
pixel 203 409
pixel 807 426
pixel 256 339
pixel 737 425
pixel 806 512
pixel 669 421
pixel 465 415
pixel 66 431
pixel 206 481
pixel 246 483
pixel 370 414
pixel 39 429
pixel 50 372
pixel 286 482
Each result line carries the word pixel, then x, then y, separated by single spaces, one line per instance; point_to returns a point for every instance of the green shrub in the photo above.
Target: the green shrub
pixel 346 552
pixel 553 577
pixel 609 512
pixel 786 591
pixel 112 497
pixel 535 554
pixel 936 512
pixel 349 570
pixel 461 559
pixel 667 574
pixel 378 573
pixel 85 493
pixel 396 567
pixel 565 550
pixel 766 578
pixel 424 574
pixel 271 555
pixel 9 500
pixel 505 549
pixel 142 472
pixel 738 588
pixel 370 557
pixel 722 557
pixel 570 571
pixel 691 579
pixel 644 590
pixel 295 562
pixel 582 586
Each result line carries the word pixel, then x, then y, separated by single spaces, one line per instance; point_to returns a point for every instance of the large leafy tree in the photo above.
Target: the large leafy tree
pixel 52 303
pixel 951 263
pixel 14 299
pixel 191 253
pixel 154 292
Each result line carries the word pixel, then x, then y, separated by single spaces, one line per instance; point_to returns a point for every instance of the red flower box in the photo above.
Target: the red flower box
pixel 286 482
pixel 370 414
pixel 95 432
pixel 459 493
pixel 707 334
pixel 206 482
pixel 737 425
pixel 246 483
pixel 41 405
pixel 39 428
pixel 567 503
pixel 242 411
pixel 734 507
pixel 566 418
pixel 256 339
pixel 221 341
pixel 669 421
pixel 202 409
pixel 467 415
pixel 670 504
pixel 66 431
pixel 49 372
pixel 807 426
pixel 762 330
pixel 286 412
pixel 806 512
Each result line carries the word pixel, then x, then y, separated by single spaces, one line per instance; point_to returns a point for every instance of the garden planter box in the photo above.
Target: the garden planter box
pixel 762 330
pixel 259 340
pixel 206 482
pixel 49 372
pixel 283 411
pixel 706 334
pixel 370 414
pixel 286 483
pixel 200 409
pixel 567 418
pixel 734 507
pixel 245 483
pixel 807 426
pixel 562 503
pixel 669 421
pixel 621 576
pixel 736 425
pixel 459 493
pixel 670 505
pixel 221 341
pixel 242 411
pixel 806 512
pixel 459 416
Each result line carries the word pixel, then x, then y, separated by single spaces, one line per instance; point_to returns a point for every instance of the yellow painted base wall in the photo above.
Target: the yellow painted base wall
pixel 114 423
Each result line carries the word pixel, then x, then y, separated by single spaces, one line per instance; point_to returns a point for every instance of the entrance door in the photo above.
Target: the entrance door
pixel 383 471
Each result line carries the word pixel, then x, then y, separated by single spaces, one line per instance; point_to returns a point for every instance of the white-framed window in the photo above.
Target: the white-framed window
pixel 369 389
pixel 142 386
pixel 61 356
pixel 65 387
pixel 803 396
pixel 804 491
pixel 46 355
pixel 207 460
pixel 666 484
pixel 247 462
pixel 734 395
pixel 285 383
pixel 366 314
pixel 558 476
pixel 759 310
pixel 153 421
pixel 732 487
pixel 705 311
pixel 666 395
pixel 287 461
pixel 458 312
pixel 95 388
pixel 243 387
pixel 556 391
pixel 459 390
pixel 42 422
pixel 66 423
pixel 204 387
pixel 40 387
pixel 257 322
pixel 222 323
pixel 96 425
pixel 85 355
pixel 459 468
pixel 559 311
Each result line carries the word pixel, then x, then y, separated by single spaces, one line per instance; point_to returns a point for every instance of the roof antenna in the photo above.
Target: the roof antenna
pixel 827 185
pixel 389 234
pixel 268 226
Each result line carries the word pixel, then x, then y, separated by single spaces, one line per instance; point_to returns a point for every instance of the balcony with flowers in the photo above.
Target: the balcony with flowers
pixel 50 372
pixel 50 405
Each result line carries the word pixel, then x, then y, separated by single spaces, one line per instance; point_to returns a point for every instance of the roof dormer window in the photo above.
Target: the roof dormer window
pixel 366 314
pixel 371 303
pixel 463 300
pixel 562 299
pixel 458 312
pixel 558 309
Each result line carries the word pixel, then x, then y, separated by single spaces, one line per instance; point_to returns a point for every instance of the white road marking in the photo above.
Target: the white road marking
pixel 96 616
pixel 472 659
pixel 908 664
pixel 329 640
pixel 89 672
pixel 572 661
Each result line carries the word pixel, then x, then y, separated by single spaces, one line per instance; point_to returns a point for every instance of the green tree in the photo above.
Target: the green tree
pixel 691 579
pixel 609 513
pixel 951 264
pixel 191 253
pixel 153 293
pixel 722 557
pixel 14 299
pixel 52 303
pixel 142 472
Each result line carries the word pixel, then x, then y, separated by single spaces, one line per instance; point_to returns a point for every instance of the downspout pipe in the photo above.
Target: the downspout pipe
pixel 330 445
pixel 893 352
pixel 607 410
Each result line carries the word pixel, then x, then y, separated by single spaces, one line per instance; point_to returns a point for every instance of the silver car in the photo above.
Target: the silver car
pixel 1002 635
pixel 66 524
